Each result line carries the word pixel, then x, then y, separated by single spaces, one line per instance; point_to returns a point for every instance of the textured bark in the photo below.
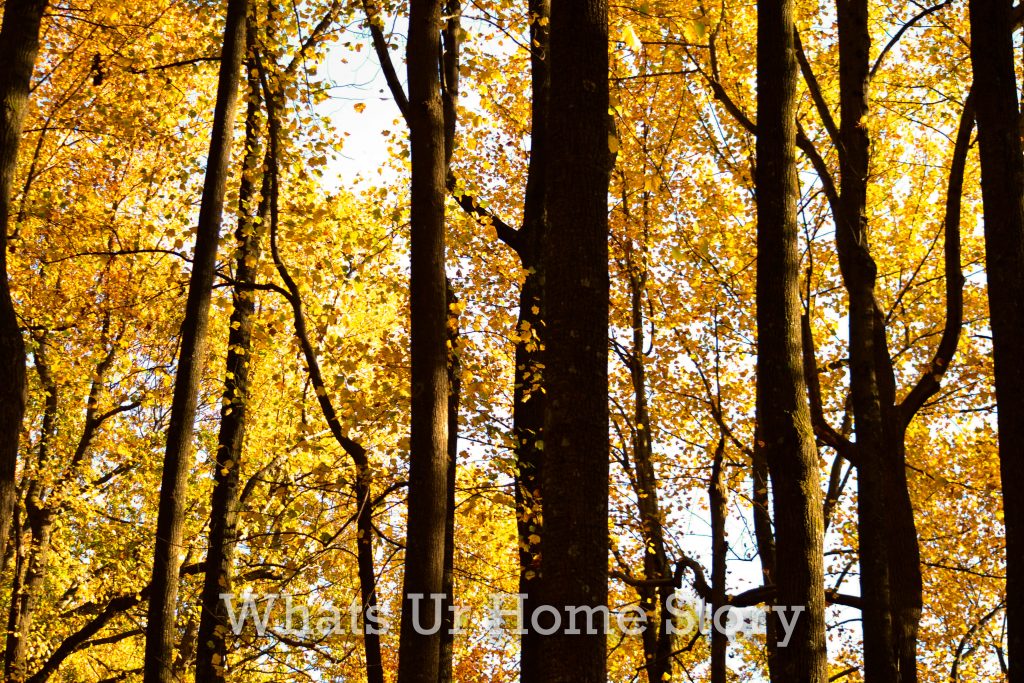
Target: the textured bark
pixel 448 581
pixel 1002 189
pixel 34 546
pixel 428 457
pixel 783 416
pixel 160 631
pixel 19 45
pixel 211 648
pixel 867 341
pixel 574 260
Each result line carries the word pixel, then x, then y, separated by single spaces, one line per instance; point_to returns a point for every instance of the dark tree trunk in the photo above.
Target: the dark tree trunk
pixel 765 538
pixel 32 561
pixel 656 587
pixel 783 414
pixel 1002 189
pixel 574 261
pixel 450 100
pixel 448 582
pixel 160 632
pixel 719 548
pixel 529 399
pixel 211 647
pixel 859 271
pixel 428 457
pixel 19 45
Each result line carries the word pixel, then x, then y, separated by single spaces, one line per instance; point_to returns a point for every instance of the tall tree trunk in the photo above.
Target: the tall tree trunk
pixel 419 643
pixel 574 259
pixel 19 45
pixel 211 647
pixel 528 399
pixel 858 272
pixel 783 414
pixel 449 102
pixel 1002 189
pixel 159 659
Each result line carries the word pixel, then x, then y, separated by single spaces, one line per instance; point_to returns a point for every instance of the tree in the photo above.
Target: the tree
pixel 1002 180
pixel 19 45
pixel 428 310
pixel 574 261
pixel 191 359
pixel 785 435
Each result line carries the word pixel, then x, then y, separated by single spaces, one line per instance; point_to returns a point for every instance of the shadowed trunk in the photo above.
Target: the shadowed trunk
pixel 419 644
pixel 1002 189
pixel 19 45
pixel 211 648
pixel 784 426
pixel 448 582
pixel 867 341
pixel 160 631
pixel 574 261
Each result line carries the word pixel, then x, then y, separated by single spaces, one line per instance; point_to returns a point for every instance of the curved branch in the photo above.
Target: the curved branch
pixel 928 385
pixel 903 29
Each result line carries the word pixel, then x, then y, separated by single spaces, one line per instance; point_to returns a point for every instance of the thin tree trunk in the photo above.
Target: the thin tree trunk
pixel 448 582
pixel 765 538
pixel 783 414
pixel 362 487
pixel 1002 189
pixel 529 399
pixel 450 100
pixel 717 498
pixel 160 631
pixel 419 643
pixel 211 647
pixel 574 260
pixel 19 45
pixel 858 272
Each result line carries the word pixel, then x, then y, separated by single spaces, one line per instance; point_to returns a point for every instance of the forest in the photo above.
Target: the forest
pixel 552 341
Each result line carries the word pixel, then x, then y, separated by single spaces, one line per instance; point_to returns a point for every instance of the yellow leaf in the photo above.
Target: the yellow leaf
pixel 629 37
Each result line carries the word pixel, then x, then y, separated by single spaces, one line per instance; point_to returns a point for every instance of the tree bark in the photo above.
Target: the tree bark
pixel 574 260
pixel 160 632
pixel 858 272
pixel 211 647
pixel 528 400
pixel 428 458
pixel 783 416
pixel 1002 189
pixel 19 45
pixel 448 581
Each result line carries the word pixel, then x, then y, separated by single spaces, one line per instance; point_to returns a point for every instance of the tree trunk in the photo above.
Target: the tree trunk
pixel 717 499
pixel 1002 182
pixel 574 261
pixel 211 647
pixel 858 272
pixel 783 414
pixel 528 399
pixel 19 45
pixel 448 582
pixel 419 644
pixel 160 632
